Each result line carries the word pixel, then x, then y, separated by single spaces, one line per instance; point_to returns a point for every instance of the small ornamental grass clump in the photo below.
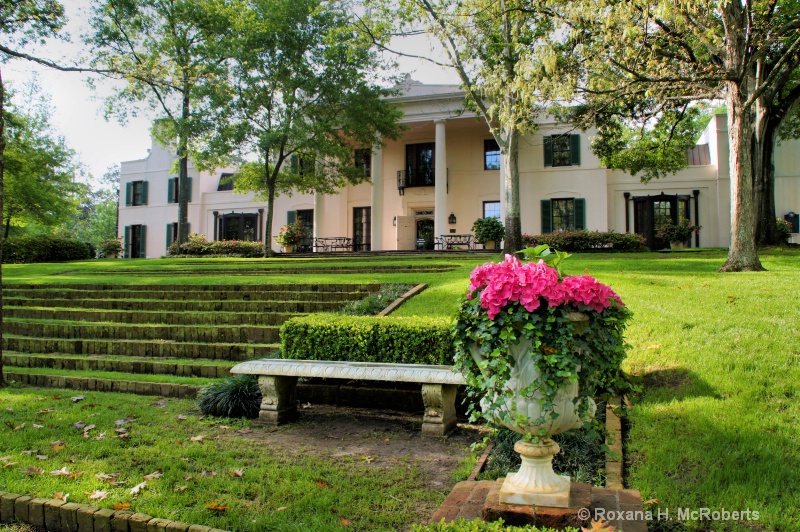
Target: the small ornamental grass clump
pixel 235 397
pixel 511 301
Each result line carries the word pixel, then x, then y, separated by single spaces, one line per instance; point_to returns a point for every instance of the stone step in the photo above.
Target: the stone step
pixel 284 270
pixel 141 348
pixel 77 382
pixel 165 317
pixel 271 287
pixel 167 333
pixel 187 294
pixel 303 307
pixel 177 367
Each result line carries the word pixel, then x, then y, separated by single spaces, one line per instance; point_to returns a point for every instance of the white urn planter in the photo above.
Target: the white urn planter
pixel 535 483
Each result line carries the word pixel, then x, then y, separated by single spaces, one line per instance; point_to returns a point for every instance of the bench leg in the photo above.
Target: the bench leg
pixel 278 399
pixel 440 408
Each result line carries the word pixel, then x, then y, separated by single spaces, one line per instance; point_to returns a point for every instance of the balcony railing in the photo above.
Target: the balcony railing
pixel 415 177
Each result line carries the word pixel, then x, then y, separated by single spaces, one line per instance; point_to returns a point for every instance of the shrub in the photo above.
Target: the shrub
pixel 199 246
pixel 408 340
pixel 784 230
pixel 478 525
pixel 196 245
pixel 43 248
pixel 582 240
pixel 237 396
pixel 292 234
pixel 487 229
pixel 374 303
pixel 111 249
pixel 680 232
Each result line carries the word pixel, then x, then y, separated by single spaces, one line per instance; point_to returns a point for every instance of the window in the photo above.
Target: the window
pixel 225 182
pixel 563 214
pixel 362 228
pixel 135 238
pixel 562 150
pixel 172 232
pixel 420 169
pixel 173 190
pixel 364 161
pixel 136 193
pixel 491 209
pixel 238 226
pixel 303 165
pixel 491 155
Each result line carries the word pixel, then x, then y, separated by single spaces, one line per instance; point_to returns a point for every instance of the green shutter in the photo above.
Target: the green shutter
pixel 291 217
pixel 169 234
pixel 128 194
pixel 142 241
pixel 548 151
pixel 189 196
pixel 171 190
pixel 127 242
pixel 144 193
pixel 547 216
pixel 580 213
pixel 575 150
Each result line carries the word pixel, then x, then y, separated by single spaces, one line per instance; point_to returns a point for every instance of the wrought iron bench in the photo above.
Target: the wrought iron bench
pixel 454 241
pixel 333 243
pixel 277 379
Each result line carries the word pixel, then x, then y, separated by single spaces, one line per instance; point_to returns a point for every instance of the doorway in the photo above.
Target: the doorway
pixel 652 213
pixel 362 228
pixel 425 240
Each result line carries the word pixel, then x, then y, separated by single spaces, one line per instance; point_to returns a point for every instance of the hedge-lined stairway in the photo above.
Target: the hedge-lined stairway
pixel 151 339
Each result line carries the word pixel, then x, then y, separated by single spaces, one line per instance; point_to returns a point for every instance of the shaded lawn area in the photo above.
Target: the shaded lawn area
pixel 717 355
pixel 331 471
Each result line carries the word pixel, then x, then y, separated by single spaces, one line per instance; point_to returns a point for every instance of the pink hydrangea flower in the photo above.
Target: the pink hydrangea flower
pixel 584 289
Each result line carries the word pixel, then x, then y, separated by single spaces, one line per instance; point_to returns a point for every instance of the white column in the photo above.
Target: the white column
pixel 376 222
pixel 502 189
pixel 319 213
pixel 440 191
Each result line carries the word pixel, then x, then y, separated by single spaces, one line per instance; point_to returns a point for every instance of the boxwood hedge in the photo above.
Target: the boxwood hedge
pixel 407 340
pixel 582 240
pixel 43 248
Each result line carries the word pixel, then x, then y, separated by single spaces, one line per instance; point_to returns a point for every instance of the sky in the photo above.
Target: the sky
pixel 78 109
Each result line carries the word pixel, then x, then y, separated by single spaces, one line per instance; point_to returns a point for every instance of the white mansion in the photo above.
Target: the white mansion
pixel 441 176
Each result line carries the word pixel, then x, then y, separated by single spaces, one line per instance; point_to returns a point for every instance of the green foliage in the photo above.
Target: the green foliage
pixel 366 339
pixel 478 525
pixel 680 232
pixel 43 248
pixel 292 234
pixel 95 220
pixel 487 229
pixel 374 303
pixel 111 249
pixel 552 258
pixel 582 240
pixel 198 246
pixel 234 397
pixel 784 230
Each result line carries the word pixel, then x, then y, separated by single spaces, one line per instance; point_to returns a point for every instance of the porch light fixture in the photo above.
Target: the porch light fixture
pixel 452 218
pixel 394 221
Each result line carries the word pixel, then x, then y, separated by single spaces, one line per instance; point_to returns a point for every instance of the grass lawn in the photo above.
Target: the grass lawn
pixel 717 355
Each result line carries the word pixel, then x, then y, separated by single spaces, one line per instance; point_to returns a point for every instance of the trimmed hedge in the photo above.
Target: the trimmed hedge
pixel 582 240
pixel 43 248
pixel 407 340
pixel 198 246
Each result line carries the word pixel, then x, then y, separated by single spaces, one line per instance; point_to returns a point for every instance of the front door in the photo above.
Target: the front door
pixel 652 213
pixel 425 234
pixel 362 228
pixel 306 217
pixel 406 233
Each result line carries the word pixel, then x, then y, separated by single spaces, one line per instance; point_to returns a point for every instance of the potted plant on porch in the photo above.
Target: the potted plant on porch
pixel 679 234
pixel 291 235
pixel 535 348
pixel 489 231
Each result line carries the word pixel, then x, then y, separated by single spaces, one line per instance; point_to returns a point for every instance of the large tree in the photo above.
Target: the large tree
pixel 499 50
pixel 302 95
pixel 642 57
pixel 161 49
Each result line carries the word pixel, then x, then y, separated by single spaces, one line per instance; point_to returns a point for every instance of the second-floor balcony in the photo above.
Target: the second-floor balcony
pixel 416 177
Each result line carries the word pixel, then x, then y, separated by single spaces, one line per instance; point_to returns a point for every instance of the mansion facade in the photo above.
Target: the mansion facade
pixel 443 174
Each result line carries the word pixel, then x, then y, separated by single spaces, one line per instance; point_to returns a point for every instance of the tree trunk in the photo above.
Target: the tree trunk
pixel 7 225
pixel 183 174
pixel 2 172
pixel 743 255
pixel 270 182
pixel 513 237
pixel 764 179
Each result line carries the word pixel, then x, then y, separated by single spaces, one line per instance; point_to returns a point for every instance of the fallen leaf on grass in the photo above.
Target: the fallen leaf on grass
pixel 180 488
pixel 38 426
pixel 57 446
pixel 138 487
pixel 100 436
pixel 181 417
pixel 122 506
pixel 599 526
pixel 46 411
pixel 154 475
pixel 238 473
pixel 185 460
pixel 4 465
pixel 188 477
pixel 61 496
pixel 244 431
pixel 63 472
pixel 208 473
pixel 79 425
pixel 651 501
pixel 96 495
pixel 30 451
pixel 12 427
pixel 368 459
pixel 654 346
pixel 282 508
pixel 78 398
pixel 321 484
pixel 32 470
pixel 344 521
pixel 197 438
pixel 106 477
pixel 216 507
pixel 224 427
pixel 41 456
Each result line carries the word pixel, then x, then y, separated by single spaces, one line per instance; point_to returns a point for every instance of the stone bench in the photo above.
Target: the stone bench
pixel 277 379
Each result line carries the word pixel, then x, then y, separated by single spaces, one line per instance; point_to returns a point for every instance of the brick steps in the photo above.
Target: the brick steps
pixel 176 367
pixel 118 331
pixel 268 287
pixel 187 294
pixel 79 382
pixel 141 348
pixel 283 270
pixel 303 307
pixel 154 317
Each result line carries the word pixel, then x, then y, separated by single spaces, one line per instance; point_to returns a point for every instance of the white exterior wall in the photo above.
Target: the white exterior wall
pixel 469 185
